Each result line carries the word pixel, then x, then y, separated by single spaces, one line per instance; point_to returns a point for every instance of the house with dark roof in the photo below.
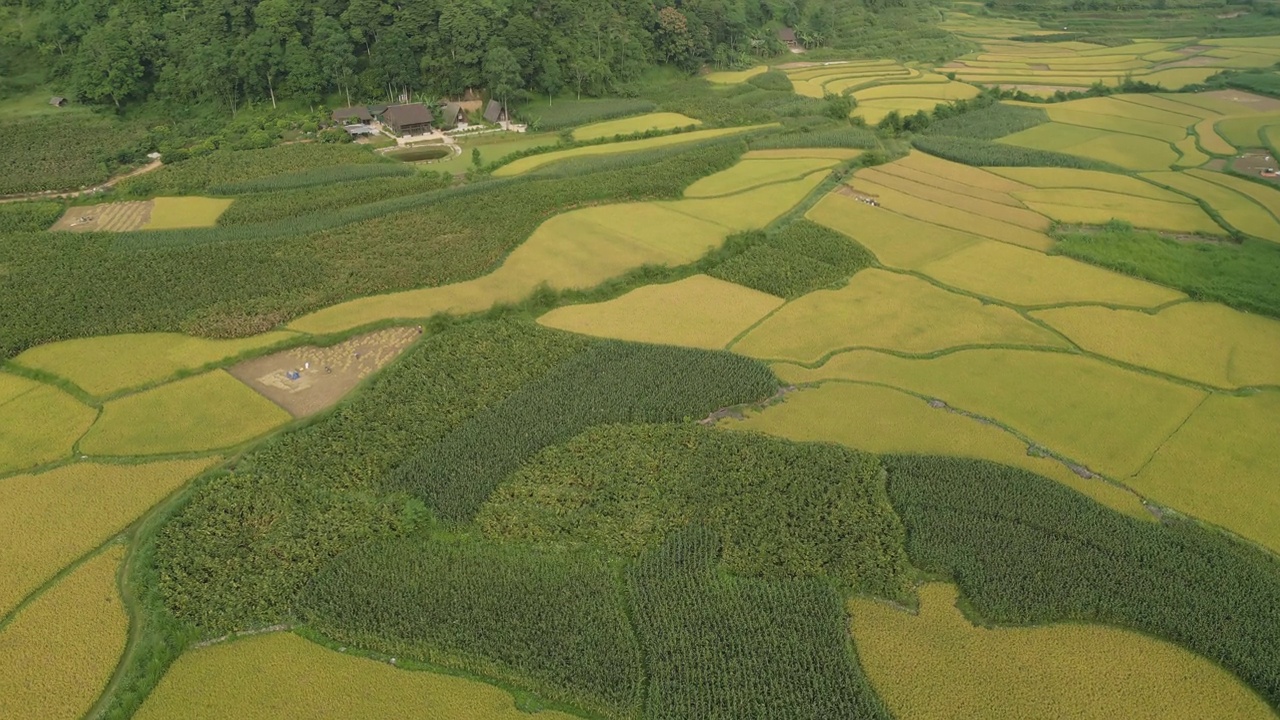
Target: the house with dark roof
pixel 788 37
pixel 410 119
pixel 452 115
pixel 352 115
pixel 57 101
pixel 496 112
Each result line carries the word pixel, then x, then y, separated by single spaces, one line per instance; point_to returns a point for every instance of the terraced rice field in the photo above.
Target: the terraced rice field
pixel 750 174
pixel 201 413
pixel 1131 152
pixel 59 651
pixel 938 664
pixel 1240 211
pixel 837 77
pixel 38 423
pixel 169 213
pixel 52 518
pixel 639 123
pixel 699 311
pixel 533 162
pixel 261 677
pixel 733 77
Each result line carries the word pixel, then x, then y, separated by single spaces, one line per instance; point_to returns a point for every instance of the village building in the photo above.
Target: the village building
pixel 788 38
pixel 352 115
pixel 452 115
pixel 57 101
pixel 410 119
pixel 496 112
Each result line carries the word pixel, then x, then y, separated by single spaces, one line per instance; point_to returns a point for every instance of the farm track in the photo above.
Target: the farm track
pixel 56 195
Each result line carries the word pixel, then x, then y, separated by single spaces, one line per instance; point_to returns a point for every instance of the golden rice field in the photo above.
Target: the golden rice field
pixel 898 241
pixel 1247 131
pixel 749 174
pixel 1265 195
pixel 283 677
pixel 1240 211
pixel 639 123
pixel 883 420
pixel 733 77
pixel 1099 207
pixel 1203 342
pixel 888 311
pixel 902 170
pixel 1105 417
pixel 52 518
pixel 111 363
pixel 1221 466
pixel 1131 152
pixel 168 213
pixel 939 665
pixel 38 423
pixel 1003 211
pixel 837 77
pixel 58 653
pixel 1065 178
pixel 699 311
pixel 195 414
pixel 533 162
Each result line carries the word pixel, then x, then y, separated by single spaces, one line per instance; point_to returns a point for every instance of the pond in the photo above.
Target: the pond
pixel 417 154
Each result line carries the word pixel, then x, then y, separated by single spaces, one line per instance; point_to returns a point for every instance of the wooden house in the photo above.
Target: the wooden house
pixel 452 115
pixel 495 112
pixel 788 38
pixel 409 119
pixel 352 116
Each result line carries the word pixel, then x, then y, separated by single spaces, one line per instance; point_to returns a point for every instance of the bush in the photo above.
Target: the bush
pixel 803 257
pixel 66 152
pixel 29 216
pixel 611 382
pixel 274 206
pixel 225 167
pixel 1025 550
pixel 774 79
pixel 991 154
pixel 330 175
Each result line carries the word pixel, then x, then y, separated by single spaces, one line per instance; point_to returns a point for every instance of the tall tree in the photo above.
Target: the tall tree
pixel 108 65
pixel 333 52
pixel 501 72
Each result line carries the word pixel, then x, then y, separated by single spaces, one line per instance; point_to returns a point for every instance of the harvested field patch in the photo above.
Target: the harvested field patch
pixel 55 517
pixel 897 241
pixel 59 652
pixel 883 420
pixel 1205 342
pixel 533 162
pixel 639 123
pixel 168 213
pixel 260 677
pixel 195 414
pixel 1029 278
pixel 749 174
pixel 110 363
pixel 735 77
pixel 1098 207
pixel 1221 466
pixel 699 312
pixel 972 222
pixel 1239 210
pixel 885 310
pixel 106 217
pixel 1094 413
pixel 324 374
pixel 998 211
pixel 1250 162
pixel 1044 177
pixel 38 423
pixel 939 664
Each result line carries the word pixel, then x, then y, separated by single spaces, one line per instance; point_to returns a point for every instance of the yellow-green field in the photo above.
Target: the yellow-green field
pixel 699 311
pixel 970 222
pixel 938 665
pixel 533 162
pixel 205 412
pixel 107 364
pixel 1002 211
pixel 1054 178
pixel 1246 132
pixel 885 310
pixel 639 123
pixel 754 173
pixel 898 241
pixel 168 213
pixel 963 178
pixel 733 77
pixel 283 677
pixel 52 518
pixel 1240 211
pixel 59 651
pixel 1204 342
pixel 1029 278
pixel 1092 412
pixel 1265 195
pixel 1221 466
pixel 1098 207
pixel 1131 152
pixel 38 423
pixel 882 420
pixel 1192 155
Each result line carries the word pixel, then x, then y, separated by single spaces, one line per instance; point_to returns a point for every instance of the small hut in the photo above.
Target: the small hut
pixel 57 101
pixel 452 115
pixel 788 38
pixel 352 116
pixel 495 112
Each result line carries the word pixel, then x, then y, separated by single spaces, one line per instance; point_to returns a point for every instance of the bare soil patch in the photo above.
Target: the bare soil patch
pixel 1033 89
pixel 1216 164
pixel 106 217
pixel 1254 161
pixel 1193 50
pixel 1256 102
pixel 868 198
pixel 306 380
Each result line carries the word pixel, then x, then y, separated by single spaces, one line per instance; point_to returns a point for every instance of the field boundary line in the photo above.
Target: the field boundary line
pixel 1171 435
pixel 58 577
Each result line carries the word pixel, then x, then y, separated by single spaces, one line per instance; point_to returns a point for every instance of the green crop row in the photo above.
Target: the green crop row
pixel 843 136
pixel 279 205
pixel 783 509
pixel 328 175
pixel 803 257
pixel 1241 275
pixel 66 152
pixel 994 120
pixel 549 619
pixel 985 153
pixel 567 113
pixel 1026 550
pixel 224 167
pixel 611 382
pixel 21 217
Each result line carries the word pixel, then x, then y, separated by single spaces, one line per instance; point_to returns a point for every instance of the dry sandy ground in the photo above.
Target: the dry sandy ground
pixel 113 217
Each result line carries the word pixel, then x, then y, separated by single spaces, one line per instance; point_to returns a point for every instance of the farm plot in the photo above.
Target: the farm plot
pixel 168 213
pixel 38 423
pixel 1002 211
pixel 836 78
pixel 750 174
pixel 884 310
pixel 306 380
pixel 1204 342
pixel 533 162
pixel 53 518
pixel 58 653
pixel 792 153
pixel 884 420
pixel 1240 211
pixel 733 77
pixel 896 240
pixel 261 677
pixel 108 364
pixel 1099 207
pixel 699 312
pixel 1221 466
pixel 581 249
pixel 1128 151
pixel 1087 410
pixel 1063 178
pixel 939 664
pixel 639 123
pixel 106 217
pixel 1265 195
pixel 200 413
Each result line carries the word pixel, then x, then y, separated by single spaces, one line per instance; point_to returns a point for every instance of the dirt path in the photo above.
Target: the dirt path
pixel 55 195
